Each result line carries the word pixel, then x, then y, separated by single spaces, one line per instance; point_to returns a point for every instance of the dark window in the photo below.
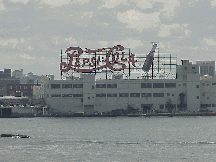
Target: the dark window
pixel 55 95
pixel 168 94
pixel 55 86
pixel 161 106
pixel 213 83
pixel 158 85
pixel 197 97
pixel 134 94
pixel 197 86
pixel 158 94
pixel 66 85
pixel 184 84
pixel 112 95
pixel 146 94
pixel 101 95
pixel 146 85
pixel 185 67
pixel 173 94
pixel 170 85
pixel 100 85
pixel 193 67
pixel 92 87
pixel 123 94
pixel 67 95
pixel 77 86
pixel 111 85
pixel 77 95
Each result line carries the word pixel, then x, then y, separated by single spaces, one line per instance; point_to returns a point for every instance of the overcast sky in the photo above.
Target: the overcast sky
pixel 32 32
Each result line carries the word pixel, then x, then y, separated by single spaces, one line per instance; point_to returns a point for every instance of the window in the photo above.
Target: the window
pixel 92 87
pixel 168 94
pixel 158 94
pixel 161 106
pixel 88 98
pixel 170 85
pixel 55 95
pixel 111 85
pixel 66 85
pixel 112 95
pixel 101 95
pixel 67 95
pixel 77 95
pixel 185 68
pixel 146 94
pixel 203 94
pixel 10 87
pixel 197 86
pixel 134 94
pixel 193 67
pixel 55 86
pixel 146 85
pixel 123 94
pixel 77 86
pixel 184 84
pixel 173 94
pixel 25 87
pixel 213 83
pixel 100 85
pixel 158 85
pixel 197 97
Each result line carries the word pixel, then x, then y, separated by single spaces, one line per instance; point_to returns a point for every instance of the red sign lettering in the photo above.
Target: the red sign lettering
pixel 94 62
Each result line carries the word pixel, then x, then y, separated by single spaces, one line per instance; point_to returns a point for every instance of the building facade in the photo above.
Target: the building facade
pixel 188 92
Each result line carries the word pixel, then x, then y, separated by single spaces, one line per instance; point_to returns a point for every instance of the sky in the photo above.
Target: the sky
pixel 33 32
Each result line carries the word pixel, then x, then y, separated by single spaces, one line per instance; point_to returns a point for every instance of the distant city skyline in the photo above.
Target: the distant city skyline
pixel 33 33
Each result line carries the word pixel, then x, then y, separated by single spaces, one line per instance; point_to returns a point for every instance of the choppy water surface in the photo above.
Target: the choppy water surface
pixel 110 139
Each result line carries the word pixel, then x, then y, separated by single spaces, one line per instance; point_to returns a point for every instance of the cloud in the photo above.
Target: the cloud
pixel 138 20
pixel 174 29
pixel 13 42
pixel 144 4
pixel 71 40
pixel 58 3
pixel 213 3
pixel 112 3
pixel 103 43
pixel 27 57
pixel 1 6
pixel 22 1
pixel 85 14
pixel 169 7
pixel 55 3
pixel 129 43
pixel 209 41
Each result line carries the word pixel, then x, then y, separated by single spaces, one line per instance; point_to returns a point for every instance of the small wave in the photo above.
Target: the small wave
pixel 127 143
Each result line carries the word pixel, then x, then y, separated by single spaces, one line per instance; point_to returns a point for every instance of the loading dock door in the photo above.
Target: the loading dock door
pixel 146 108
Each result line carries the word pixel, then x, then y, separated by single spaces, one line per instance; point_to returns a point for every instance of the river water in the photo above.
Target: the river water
pixel 109 139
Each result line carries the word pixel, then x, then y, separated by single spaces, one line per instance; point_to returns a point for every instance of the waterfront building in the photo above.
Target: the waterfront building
pixel 189 90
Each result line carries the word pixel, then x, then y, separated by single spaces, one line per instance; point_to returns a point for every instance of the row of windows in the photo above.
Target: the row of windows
pixel 113 95
pixel 158 85
pixel 67 95
pixel 57 86
pixel 143 85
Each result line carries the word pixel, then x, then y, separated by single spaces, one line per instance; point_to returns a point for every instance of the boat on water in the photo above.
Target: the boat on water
pixel 15 135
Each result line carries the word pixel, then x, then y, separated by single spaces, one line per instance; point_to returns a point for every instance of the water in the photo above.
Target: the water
pixel 110 139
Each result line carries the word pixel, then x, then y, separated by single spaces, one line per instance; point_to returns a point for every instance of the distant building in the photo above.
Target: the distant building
pixel 17 73
pixel 206 68
pixel 26 89
pixel 6 73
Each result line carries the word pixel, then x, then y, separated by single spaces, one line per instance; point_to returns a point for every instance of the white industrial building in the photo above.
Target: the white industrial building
pixel 189 91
